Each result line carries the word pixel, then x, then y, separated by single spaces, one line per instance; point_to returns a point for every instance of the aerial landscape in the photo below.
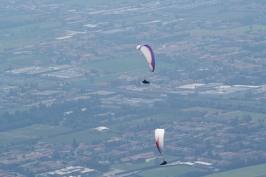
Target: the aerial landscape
pixel 77 97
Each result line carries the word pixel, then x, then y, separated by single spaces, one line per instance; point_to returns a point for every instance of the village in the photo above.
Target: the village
pixel 205 59
pixel 208 142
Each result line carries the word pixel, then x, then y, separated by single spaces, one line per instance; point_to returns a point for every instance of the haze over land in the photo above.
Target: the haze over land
pixel 72 102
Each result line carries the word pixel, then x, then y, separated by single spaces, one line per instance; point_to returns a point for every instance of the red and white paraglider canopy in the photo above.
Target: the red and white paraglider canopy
pixel 159 139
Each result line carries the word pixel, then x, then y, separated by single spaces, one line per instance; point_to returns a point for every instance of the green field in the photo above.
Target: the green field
pixel 12 110
pixel 214 15
pixel 255 116
pixel 241 29
pixel 209 110
pixel 45 131
pixel 31 132
pixel 140 121
pixel 23 36
pixel 21 60
pixel 83 137
pixel 168 171
pixel 143 165
pixel 252 171
pixel 4 66
pixel 26 34
pixel 246 102
pixel 133 65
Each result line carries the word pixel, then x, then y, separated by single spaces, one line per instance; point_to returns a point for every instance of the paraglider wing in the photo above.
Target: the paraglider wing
pixel 149 55
pixel 159 139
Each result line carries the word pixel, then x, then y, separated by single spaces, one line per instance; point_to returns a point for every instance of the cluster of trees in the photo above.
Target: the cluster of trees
pixel 51 115
pixel 254 48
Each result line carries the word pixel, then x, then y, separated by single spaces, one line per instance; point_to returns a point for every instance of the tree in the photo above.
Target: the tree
pixel 75 144
pixel 56 155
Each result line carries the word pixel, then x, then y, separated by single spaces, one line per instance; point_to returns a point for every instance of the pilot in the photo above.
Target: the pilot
pixel 163 163
pixel 145 82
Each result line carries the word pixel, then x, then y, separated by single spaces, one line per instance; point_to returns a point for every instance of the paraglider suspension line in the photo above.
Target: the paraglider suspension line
pixel 161 170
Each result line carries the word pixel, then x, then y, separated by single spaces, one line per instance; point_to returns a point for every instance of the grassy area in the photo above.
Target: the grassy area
pixel 199 32
pixel 143 165
pixel 3 66
pixel 246 102
pixel 141 121
pixel 26 34
pixel 167 171
pixel 124 64
pixel 252 171
pixel 31 132
pixel 24 60
pixel 21 37
pixel 133 65
pixel 86 136
pixel 21 60
pixel 133 166
pixel 83 137
pixel 41 25
pixel 45 131
pixel 255 116
pixel 214 15
pixel 12 110
pixel 209 110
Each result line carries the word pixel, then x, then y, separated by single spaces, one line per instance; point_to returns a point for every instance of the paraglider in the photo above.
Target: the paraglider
pixel 149 55
pixel 159 141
